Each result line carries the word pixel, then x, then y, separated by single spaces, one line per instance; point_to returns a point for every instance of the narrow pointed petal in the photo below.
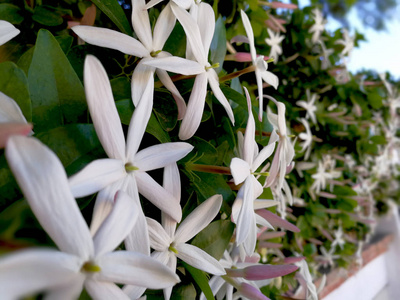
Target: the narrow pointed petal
pixel 261 272
pixel 192 33
pixel 159 239
pixel 136 269
pixel 138 238
pixel 262 156
pixel 133 292
pixel 240 170
pixel 96 176
pixel 199 259
pixel 249 33
pixel 141 23
pixel 176 65
pixel 139 120
pixel 198 219
pixel 152 3
pixel 260 94
pixel 157 195
pixel 277 221
pixel 161 155
pixel 262 203
pixel 170 86
pixel 163 28
pixel 7 32
pixel 270 78
pixel 104 290
pixel 246 212
pixel 172 183
pixel 249 135
pixel 43 181
pixel 214 84
pixel 102 108
pixel 236 207
pixel 117 225
pixel 9 109
pixel 206 22
pixel 141 77
pixel 111 39
pixel 30 271
pixel 194 112
pixel 263 222
pixel 104 204
pixel 185 4
pixel 249 244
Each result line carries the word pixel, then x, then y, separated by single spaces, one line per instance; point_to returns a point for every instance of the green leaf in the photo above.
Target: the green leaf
pixel 57 93
pixel 375 100
pixel 116 14
pixel 46 16
pixel 13 83
pixel 214 239
pixel 201 278
pixel 218 44
pixel 25 60
pixel 165 109
pixel 10 13
pixel 125 110
pixel 121 88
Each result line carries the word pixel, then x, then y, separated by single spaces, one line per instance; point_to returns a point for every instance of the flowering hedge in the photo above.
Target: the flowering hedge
pixel 214 151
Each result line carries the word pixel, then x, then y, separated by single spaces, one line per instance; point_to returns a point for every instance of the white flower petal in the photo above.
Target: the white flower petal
pixel 185 4
pixel 30 271
pixel 176 64
pixel 161 155
pixel 260 93
pixel 172 183
pixel 192 33
pixel 249 244
pixel 136 269
pixel 104 290
pixel 167 82
pixel 250 34
pixel 249 135
pixel 134 292
pixel 67 290
pixel 262 156
pixel 111 39
pixel 102 108
pixel 159 239
pixel 141 23
pixel 199 259
pixel 214 84
pixel 96 176
pixel 152 3
pixel 139 120
pixel 44 183
pixel 246 213
pixel 9 109
pixel 157 195
pixel 270 78
pixel 163 28
pixel 117 225
pixel 141 77
pixel 7 32
pixel 194 112
pixel 240 170
pixel 206 22
pixel 198 219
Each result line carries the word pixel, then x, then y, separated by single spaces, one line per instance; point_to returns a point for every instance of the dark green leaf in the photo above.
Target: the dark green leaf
pixel 14 84
pixel 55 89
pixel 201 278
pixel 214 239
pixel 10 13
pixel 218 44
pixel 116 14
pixel 121 88
pixel 46 16
pixel 375 100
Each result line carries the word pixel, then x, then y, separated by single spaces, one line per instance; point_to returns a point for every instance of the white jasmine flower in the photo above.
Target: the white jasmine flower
pixel 307 139
pixel 199 35
pixel 309 106
pixel 259 63
pixel 347 42
pixel 83 260
pixel 274 41
pixel 318 27
pixel 338 238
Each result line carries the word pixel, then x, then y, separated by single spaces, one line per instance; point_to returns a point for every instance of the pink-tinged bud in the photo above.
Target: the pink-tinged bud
pixel 262 272
pixel 315 241
pixel 277 221
pixel 234 272
pixel 271 235
pixel 270 245
pixel 242 57
pixel 282 5
pixel 293 259
pixel 240 39
pixel 251 292
pixel 327 195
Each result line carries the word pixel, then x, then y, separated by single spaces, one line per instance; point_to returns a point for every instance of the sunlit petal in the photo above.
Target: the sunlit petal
pixel 163 28
pixel 43 180
pixel 104 290
pixel 141 23
pixel 176 64
pixel 206 22
pixel 112 39
pixel 240 169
